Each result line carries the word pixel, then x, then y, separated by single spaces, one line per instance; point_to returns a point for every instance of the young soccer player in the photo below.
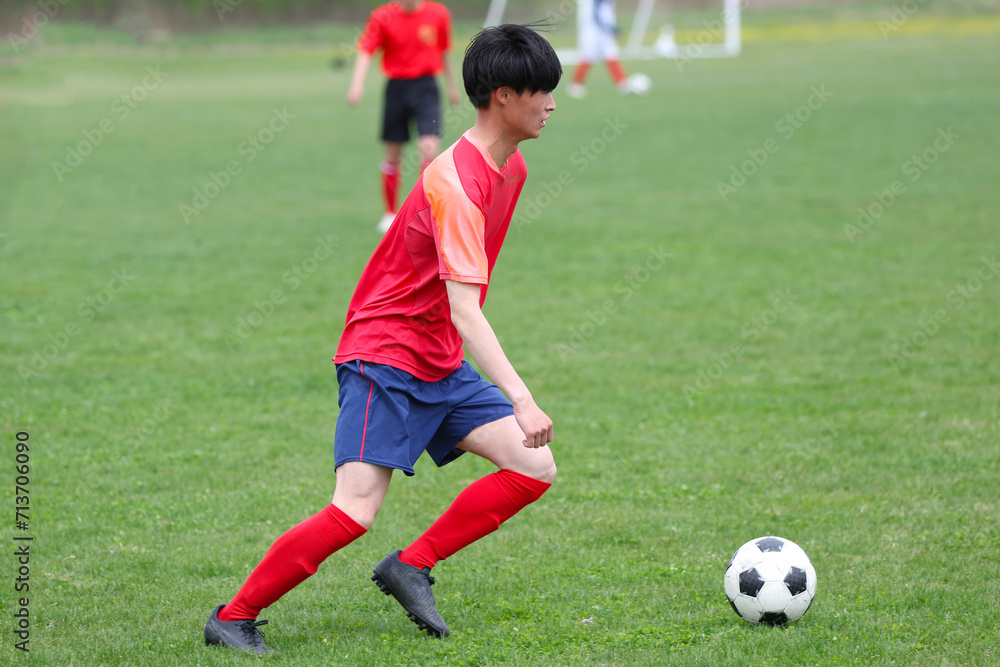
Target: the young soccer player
pixel 415 36
pixel 597 36
pixel 404 386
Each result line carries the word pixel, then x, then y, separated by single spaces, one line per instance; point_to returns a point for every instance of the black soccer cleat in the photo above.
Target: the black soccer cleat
pixel 412 589
pixel 244 635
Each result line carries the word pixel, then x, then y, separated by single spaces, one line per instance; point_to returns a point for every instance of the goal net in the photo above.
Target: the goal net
pixel 647 28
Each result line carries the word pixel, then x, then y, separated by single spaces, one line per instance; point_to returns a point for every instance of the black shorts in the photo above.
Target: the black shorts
pixel 411 99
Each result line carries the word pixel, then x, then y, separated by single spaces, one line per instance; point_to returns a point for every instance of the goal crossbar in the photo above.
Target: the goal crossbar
pixel 706 44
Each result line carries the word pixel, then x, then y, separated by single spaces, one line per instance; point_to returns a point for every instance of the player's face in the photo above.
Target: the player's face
pixel 528 112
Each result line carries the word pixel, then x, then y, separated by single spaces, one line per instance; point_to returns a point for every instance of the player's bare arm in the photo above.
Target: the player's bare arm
pixel 357 88
pixel 482 345
pixel 449 79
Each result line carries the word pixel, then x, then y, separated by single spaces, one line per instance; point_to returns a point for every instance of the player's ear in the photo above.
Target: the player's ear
pixel 502 95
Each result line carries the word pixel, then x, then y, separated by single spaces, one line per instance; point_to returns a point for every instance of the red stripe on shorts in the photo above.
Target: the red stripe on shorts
pixel 364 431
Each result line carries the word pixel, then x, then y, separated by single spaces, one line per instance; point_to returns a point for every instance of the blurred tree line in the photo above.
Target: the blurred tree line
pixel 181 14
pixel 173 15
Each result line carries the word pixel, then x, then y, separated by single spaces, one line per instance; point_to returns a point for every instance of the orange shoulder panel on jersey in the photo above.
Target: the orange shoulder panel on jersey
pixel 459 222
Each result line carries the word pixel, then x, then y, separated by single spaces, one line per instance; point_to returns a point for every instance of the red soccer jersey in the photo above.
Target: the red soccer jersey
pixel 451 227
pixel 413 44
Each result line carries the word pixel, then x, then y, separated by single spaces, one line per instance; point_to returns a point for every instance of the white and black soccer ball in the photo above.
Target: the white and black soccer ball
pixel 638 84
pixel 770 580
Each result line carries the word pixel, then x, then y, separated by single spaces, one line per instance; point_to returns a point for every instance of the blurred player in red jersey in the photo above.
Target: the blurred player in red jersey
pixel 405 387
pixel 415 36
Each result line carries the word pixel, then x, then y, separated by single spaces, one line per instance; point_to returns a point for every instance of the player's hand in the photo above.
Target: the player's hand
pixel 535 424
pixel 354 95
pixel 454 97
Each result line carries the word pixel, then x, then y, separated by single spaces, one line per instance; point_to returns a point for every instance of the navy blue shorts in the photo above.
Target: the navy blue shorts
pixel 388 417
pixel 411 100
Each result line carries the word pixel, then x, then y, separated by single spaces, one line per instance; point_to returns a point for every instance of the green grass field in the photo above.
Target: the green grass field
pixel 727 346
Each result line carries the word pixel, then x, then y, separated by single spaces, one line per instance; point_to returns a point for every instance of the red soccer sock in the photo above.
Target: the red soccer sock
pixel 291 560
pixel 617 72
pixel 476 512
pixel 580 73
pixel 390 185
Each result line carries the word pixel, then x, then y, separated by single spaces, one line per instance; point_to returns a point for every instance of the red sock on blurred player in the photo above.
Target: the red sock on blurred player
pixel 617 72
pixel 390 185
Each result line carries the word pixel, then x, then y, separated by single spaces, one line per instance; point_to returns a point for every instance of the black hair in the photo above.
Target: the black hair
pixel 509 55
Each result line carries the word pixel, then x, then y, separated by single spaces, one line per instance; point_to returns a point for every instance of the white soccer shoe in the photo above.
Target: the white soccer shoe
pixel 385 222
pixel 637 84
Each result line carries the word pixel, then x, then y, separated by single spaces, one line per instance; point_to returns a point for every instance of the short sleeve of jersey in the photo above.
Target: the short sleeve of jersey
pixel 372 34
pixel 457 208
pixel 444 34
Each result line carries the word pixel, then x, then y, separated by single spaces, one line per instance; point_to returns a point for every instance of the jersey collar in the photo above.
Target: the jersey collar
pixel 481 147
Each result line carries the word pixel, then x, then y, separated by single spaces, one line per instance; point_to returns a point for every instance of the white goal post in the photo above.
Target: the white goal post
pixel 718 36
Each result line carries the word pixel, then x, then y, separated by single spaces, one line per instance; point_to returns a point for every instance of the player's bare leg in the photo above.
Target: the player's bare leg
pixel 500 442
pixel 360 490
pixel 428 146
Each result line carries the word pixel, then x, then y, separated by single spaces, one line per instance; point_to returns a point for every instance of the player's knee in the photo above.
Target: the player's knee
pixel 362 510
pixel 362 515
pixel 548 474
pixel 428 147
pixel 542 468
